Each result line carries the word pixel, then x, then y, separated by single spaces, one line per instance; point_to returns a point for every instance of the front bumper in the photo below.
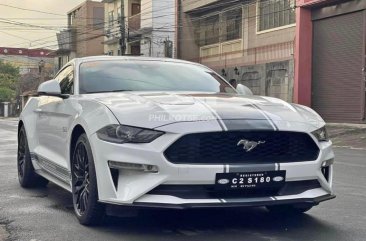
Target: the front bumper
pixel 135 188
pixel 242 203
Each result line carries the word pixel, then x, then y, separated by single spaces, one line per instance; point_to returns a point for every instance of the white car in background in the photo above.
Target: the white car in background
pixel 148 132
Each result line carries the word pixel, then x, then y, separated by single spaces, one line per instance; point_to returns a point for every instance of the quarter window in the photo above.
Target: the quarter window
pixel 66 80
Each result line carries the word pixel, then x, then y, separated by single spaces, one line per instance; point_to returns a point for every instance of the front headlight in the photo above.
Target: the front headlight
pixel 321 134
pixel 127 134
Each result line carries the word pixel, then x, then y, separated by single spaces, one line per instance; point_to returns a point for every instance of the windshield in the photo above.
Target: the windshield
pixel 110 76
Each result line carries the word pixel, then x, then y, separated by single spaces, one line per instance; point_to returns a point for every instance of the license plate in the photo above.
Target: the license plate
pixel 250 180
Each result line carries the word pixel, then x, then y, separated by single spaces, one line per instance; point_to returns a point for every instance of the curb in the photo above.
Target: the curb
pixel 341 129
pixel 347 125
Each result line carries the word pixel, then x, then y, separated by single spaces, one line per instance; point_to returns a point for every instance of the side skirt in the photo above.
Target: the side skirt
pixel 53 172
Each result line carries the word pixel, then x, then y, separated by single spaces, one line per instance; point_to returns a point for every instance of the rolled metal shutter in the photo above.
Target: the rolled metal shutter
pixel 337 67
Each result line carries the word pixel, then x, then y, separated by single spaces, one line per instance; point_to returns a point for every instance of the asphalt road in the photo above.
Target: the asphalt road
pixel 46 214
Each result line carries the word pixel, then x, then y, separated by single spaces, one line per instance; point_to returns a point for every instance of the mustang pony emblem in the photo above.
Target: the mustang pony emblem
pixel 249 145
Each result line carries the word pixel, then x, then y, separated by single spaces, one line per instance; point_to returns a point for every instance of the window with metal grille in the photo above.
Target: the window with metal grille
pixel 221 27
pixel 211 30
pixel 232 24
pixel 275 13
pixel 207 30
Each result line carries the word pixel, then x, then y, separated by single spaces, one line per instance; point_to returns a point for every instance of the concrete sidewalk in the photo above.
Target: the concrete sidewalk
pixel 4 235
pixel 9 118
pixel 348 135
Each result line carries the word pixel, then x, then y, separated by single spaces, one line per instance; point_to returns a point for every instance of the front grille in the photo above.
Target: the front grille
pixel 209 191
pixel 222 148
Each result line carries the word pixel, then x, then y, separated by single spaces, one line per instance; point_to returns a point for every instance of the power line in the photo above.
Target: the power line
pixel 52 28
pixel 30 10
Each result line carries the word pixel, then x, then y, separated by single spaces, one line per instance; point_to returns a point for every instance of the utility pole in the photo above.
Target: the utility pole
pixel 122 41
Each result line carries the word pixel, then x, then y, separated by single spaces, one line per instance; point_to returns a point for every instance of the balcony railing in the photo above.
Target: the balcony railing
pixel 231 53
pixel 67 40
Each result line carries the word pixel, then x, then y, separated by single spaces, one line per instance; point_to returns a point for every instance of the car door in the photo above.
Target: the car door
pixel 60 114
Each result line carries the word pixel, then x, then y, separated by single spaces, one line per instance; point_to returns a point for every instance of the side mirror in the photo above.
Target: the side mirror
pixel 243 90
pixel 51 88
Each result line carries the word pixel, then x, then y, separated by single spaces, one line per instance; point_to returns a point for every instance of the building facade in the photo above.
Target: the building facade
pixel 251 41
pixel 27 60
pixel 84 35
pixel 330 58
pixel 149 27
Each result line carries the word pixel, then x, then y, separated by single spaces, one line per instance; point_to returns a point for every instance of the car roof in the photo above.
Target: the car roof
pixel 131 58
pixel 78 61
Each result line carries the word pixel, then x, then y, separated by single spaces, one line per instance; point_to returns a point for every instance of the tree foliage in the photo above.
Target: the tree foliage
pixel 9 76
pixel 6 94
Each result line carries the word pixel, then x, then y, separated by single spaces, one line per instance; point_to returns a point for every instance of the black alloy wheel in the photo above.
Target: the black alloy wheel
pixel 27 177
pixel 81 178
pixel 84 184
pixel 21 154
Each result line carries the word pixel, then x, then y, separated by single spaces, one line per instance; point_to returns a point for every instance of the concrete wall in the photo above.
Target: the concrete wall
pixel 88 37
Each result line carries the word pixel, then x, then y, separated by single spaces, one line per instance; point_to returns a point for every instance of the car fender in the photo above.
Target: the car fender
pixel 91 116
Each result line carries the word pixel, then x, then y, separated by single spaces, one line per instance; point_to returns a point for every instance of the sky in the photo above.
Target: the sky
pixel 24 37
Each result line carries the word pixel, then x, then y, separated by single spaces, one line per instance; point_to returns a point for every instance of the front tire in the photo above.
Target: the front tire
pixel 84 184
pixel 295 209
pixel 27 177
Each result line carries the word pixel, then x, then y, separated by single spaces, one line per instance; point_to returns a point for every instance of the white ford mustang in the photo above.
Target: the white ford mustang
pixel 149 132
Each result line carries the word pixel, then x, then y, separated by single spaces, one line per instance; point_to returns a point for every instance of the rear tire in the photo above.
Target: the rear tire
pixel 291 209
pixel 27 177
pixel 84 184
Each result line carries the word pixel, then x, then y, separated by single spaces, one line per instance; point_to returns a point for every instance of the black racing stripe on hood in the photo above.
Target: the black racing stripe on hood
pixel 214 113
pixel 268 118
pixel 240 124
pixel 235 117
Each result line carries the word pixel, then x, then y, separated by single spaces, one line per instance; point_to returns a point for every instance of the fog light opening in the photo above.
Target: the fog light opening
pixel 325 171
pixel 115 175
pixel 327 163
pixel 325 168
pixel 133 166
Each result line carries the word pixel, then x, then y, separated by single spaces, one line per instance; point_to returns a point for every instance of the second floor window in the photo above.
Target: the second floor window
pixel 207 30
pixel 119 14
pixel 221 27
pixel 110 19
pixel 232 29
pixel 275 13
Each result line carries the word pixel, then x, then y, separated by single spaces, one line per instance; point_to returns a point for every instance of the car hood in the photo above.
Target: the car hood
pixel 157 109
